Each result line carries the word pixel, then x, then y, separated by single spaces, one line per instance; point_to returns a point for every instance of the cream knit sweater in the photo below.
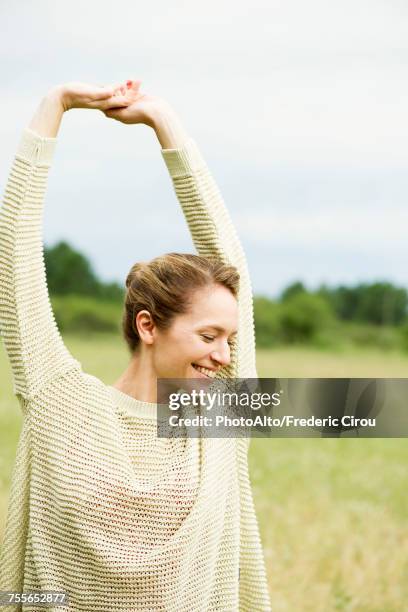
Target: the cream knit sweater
pixel 100 507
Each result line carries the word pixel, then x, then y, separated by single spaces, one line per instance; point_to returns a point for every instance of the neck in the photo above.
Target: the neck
pixel 139 380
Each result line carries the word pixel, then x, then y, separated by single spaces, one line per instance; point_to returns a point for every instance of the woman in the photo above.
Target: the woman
pixel 100 507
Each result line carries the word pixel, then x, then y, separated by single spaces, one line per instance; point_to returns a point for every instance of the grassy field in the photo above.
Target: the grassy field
pixel 332 512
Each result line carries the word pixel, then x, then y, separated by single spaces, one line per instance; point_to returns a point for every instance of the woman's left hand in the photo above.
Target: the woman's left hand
pixel 141 107
pixel 76 94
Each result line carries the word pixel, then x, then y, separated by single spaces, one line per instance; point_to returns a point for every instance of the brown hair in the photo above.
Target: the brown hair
pixel 164 285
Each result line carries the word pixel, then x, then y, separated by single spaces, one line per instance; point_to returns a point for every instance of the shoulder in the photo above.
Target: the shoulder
pixel 72 394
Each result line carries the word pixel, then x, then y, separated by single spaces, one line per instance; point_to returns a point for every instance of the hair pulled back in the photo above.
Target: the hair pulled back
pixel 164 287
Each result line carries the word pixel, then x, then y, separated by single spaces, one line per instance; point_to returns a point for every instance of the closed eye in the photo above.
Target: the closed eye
pixel 212 338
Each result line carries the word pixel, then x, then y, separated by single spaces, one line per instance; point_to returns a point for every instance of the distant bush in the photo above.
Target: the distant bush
pixel 365 335
pixel 69 272
pixel 378 303
pixel 382 304
pixel 76 313
pixel 267 322
pixel 292 290
pixel 303 316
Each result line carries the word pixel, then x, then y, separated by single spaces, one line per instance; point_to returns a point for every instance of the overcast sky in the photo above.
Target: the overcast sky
pixel 299 108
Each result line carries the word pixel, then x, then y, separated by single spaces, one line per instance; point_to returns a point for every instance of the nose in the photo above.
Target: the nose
pixel 222 355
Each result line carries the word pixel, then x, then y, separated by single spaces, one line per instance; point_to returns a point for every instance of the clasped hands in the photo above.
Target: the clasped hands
pixel 123 101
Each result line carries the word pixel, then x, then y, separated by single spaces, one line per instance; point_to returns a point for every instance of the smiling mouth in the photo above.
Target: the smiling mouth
pixel 204 371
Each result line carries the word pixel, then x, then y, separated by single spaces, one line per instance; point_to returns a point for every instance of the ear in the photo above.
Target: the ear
pixel 145 326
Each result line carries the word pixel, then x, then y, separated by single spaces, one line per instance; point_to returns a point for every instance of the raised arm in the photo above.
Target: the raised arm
pixel 208 219
pixel 31 337
pixel 210 225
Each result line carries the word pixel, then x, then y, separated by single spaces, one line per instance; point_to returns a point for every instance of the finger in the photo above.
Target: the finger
pixel 111 115
pixel 117 88
pixel 120 89
pixel 118 101
pixel 114 102
pixel 133 84
pixel 102 93
pixel 113 109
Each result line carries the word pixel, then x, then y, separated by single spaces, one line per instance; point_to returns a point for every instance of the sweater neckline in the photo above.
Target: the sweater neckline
pixel 131 404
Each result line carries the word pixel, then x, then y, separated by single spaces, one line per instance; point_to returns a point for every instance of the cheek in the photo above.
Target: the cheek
pixel 189 351
pixel 176 349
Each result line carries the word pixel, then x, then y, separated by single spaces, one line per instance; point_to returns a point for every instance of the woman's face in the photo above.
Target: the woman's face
pixel 197 344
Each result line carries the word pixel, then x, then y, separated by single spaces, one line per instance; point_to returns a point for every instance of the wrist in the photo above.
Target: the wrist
pixel 56 96
pixel 168 128
pixel 47 118
pixel 158 115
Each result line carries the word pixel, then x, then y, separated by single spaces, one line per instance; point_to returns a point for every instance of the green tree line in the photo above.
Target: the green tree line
pixel 367 313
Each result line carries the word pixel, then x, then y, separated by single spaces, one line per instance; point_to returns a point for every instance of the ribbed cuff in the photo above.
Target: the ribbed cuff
pixel 184 161
pixel 36 149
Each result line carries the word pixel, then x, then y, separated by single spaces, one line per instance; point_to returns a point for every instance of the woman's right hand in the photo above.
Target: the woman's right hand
pixel 141 107
pixel 83 95
pixel 152 111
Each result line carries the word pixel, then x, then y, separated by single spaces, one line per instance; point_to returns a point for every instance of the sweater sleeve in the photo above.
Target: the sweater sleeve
pixel 34 346
pixel 214 235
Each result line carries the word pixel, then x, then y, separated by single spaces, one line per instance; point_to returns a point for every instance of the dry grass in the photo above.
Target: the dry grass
pixel 299 362
pixel 333 522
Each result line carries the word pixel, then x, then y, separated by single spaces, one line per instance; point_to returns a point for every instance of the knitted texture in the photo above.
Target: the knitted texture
pixel 99 506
